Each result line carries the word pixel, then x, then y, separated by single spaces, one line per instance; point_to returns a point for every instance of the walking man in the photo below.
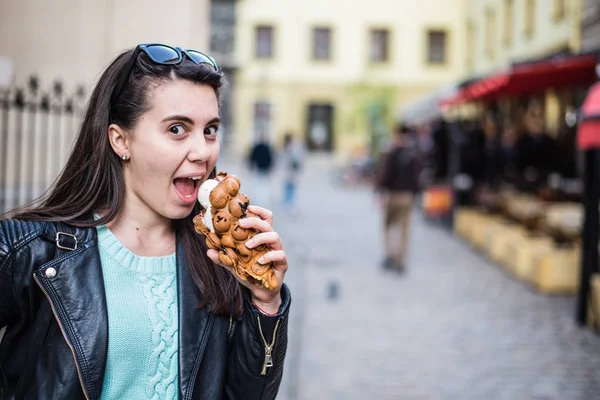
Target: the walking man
pixel 396 185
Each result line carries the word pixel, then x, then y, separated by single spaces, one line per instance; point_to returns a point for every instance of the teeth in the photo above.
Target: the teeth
pixel 195 178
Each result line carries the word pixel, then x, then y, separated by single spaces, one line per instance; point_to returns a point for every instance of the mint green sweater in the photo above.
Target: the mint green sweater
pixel 143 326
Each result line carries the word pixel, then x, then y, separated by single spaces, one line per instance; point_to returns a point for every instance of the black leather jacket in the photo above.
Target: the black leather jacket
pixel 56 348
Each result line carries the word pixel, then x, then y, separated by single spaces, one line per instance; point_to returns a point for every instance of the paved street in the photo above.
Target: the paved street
pixel 454 326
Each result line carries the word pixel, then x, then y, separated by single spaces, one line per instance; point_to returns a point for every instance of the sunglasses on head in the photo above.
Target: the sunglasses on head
pixel 165 55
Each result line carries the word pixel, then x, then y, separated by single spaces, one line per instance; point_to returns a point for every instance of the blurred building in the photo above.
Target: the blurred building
pixel 590 25
pixel 334 72
pixel 223 20
pixel 500 32
pixel 74 40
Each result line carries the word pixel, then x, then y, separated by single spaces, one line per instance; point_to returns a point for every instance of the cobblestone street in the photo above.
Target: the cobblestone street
pixel 454 326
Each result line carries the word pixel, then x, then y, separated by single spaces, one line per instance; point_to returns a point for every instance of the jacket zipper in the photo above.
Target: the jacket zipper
pixel 203 342
pixel 268 347
pixel 62 330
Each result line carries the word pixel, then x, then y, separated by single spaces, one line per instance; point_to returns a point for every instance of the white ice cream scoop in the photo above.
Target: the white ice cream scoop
pixel 204 199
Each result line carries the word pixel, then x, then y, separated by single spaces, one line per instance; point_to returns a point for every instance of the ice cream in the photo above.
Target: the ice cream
pixel 203 198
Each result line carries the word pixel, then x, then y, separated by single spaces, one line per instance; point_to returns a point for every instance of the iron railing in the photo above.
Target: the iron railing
pixel 37 129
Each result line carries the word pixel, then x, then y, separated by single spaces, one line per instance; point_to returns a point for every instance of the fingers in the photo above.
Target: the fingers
pixel 277 257
pixel 213 255
pixel 263 213
pixel 262 223
pixel 256 223
pixel 271 239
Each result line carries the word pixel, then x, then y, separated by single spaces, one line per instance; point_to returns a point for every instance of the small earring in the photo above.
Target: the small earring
pixel 124 157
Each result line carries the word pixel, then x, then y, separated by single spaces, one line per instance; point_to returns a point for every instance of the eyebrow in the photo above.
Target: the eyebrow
pixel 179 118
pixel 188 119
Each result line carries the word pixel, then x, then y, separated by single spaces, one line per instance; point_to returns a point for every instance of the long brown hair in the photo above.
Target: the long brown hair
pixel 92 178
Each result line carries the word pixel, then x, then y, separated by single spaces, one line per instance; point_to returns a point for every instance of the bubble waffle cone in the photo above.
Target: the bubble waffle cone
pixel 225 207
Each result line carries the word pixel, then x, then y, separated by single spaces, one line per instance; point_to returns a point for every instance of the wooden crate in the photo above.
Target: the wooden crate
pixel 527 254
pixel 502 241
pixel 477 222
pixel 486 229
pixel 593 314
pixel 463 221
pixel 507 258
pixel 557 271
pixel 489 236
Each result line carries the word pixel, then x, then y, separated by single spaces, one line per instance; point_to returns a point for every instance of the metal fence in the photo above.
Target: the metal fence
pixel 37 130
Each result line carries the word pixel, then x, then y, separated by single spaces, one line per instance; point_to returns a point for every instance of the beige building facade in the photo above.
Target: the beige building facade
pixel 74 40
pixel 500 32
pixel 333 73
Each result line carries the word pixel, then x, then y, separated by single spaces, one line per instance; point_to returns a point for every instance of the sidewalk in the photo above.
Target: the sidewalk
pixel 453 327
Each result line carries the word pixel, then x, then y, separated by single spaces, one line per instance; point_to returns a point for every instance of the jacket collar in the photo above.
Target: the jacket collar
pixel 75 290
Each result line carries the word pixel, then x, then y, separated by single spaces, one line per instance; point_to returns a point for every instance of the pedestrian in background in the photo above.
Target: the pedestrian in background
pixel 261 160
pixel 396 185
pixel 106 291
pixel 292 159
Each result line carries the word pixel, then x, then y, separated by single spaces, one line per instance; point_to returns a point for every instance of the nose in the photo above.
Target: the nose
pixel 198 150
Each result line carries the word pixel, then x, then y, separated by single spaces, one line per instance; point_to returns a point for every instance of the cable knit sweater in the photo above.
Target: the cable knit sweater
pixel 141 297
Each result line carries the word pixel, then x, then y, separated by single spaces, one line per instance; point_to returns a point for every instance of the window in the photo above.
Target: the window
pixel 264 41
pixel 379 45
pixel 508 21
pixel 490 33
pixel 560 10
pixel 321 44
pixel 262 120
pixel 436 47
pixel 529 17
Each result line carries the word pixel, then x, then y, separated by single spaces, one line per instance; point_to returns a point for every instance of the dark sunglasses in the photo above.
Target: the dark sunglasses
pixel 162 54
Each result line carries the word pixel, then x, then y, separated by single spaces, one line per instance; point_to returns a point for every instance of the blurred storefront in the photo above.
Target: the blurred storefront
pixel 539 99
pixel 525 209
pixel 514 169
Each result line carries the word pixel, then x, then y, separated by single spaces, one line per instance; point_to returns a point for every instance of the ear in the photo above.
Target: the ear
pixel 119 140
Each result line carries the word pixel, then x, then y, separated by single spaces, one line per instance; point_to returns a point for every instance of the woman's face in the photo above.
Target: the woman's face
pixel 173 148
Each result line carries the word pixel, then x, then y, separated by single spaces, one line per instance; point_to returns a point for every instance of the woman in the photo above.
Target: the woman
pixel 105 289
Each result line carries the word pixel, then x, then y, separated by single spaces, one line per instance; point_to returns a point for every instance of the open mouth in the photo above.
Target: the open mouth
pixel 187 187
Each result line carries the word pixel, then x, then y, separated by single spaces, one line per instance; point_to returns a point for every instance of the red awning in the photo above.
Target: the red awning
pixel 530 78
pixel 487 87
pixel 588 132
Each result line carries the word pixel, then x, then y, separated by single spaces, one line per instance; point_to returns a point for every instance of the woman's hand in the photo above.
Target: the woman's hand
pixel 265 299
